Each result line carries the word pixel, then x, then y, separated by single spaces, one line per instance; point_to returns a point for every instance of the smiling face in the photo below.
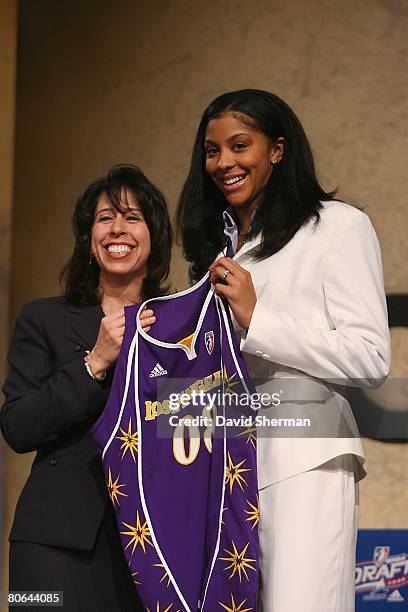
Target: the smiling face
pixel 120 240
pixel 239 159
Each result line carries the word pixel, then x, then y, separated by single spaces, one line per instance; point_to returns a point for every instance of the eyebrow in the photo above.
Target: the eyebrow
pixel 112 208
pixel 208 140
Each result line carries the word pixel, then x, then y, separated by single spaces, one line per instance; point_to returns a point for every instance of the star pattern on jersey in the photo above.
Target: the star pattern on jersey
pixel 233 473
pixel 238 563
pixel 165 575
pixel 130 441
pixel 233 607
pixel 222 514
pixel 139 533
pixel 251 439
pixel 158 608
pixel 253 513
pixel 228 381
pixel 133 574
pixel 114 488
pixel 135 581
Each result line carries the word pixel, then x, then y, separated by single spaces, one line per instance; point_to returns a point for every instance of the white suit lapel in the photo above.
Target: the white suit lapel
pixel 248 246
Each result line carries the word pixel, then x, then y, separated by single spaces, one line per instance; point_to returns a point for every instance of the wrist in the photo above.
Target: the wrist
pixel 249 318
pixel 95 367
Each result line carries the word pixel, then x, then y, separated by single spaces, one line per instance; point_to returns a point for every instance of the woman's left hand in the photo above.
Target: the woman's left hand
pixel 237 287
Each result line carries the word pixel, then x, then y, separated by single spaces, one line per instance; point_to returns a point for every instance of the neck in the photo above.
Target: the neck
pixel 119 292
pixel 244 218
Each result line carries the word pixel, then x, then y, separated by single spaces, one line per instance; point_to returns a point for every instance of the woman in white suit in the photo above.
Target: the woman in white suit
pixel 303 277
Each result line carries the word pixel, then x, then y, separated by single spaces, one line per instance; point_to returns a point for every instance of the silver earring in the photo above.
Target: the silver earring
pixel 90 259
pixel 274 161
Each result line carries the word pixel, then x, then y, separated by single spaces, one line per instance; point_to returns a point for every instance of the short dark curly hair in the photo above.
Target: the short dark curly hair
pixel 79 278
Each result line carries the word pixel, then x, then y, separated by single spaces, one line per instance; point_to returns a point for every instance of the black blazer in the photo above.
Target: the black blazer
pixel 51 402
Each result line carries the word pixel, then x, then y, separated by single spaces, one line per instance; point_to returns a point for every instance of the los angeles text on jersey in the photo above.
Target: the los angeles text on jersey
pixel 155 409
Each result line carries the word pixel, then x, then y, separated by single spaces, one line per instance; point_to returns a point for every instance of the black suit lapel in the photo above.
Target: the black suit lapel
pixel 85 324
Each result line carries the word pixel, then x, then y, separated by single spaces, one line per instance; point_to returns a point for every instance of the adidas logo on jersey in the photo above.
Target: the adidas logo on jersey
pixel 395 596
pixel 158 370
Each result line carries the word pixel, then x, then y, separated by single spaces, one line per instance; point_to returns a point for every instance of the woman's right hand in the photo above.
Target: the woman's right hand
pixel 108 343
pixel 147 319
pixel 110 337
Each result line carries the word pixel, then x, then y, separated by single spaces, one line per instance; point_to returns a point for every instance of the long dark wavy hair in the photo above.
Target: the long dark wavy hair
pixel 80 275
pixel 290 199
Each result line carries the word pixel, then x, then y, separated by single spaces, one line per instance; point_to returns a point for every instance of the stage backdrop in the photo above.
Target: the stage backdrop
pixel 8 37
pixel 107 82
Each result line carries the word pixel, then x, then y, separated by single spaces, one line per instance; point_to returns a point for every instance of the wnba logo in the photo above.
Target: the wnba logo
pixel 209 341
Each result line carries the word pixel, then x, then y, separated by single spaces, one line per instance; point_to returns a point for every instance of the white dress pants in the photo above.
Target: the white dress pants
pixel 307 530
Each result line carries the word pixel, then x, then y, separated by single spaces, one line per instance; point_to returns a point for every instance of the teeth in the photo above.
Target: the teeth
pixel 118 248
pixel 233 180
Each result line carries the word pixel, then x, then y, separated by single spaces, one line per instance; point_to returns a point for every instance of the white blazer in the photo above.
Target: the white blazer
pixel 320 317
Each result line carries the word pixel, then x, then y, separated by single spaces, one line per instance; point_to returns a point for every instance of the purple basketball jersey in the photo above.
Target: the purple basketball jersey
pixel 184 491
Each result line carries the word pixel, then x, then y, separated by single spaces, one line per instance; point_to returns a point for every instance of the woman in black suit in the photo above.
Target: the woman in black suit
pixel 63 350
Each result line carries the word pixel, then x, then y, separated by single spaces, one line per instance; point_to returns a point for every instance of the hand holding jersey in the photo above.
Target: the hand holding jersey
pixel 237 288
pixel 110 337
pixel 147 319
pixel 108 343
